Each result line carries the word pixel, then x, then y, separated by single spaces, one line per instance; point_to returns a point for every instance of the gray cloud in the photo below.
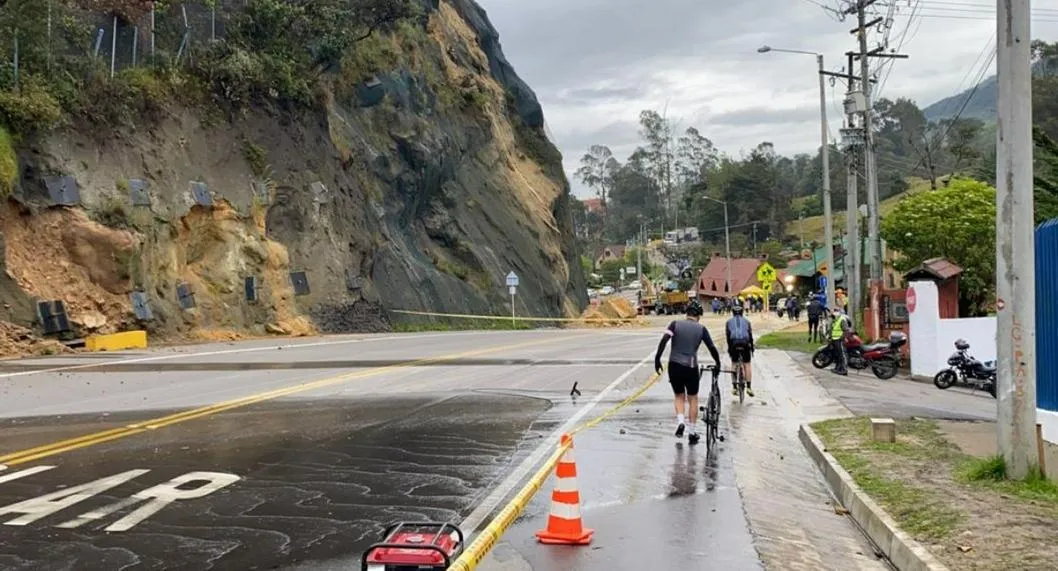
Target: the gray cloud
pixel 595 64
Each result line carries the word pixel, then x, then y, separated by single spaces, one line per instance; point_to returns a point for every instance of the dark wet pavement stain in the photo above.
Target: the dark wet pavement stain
pixel 319 480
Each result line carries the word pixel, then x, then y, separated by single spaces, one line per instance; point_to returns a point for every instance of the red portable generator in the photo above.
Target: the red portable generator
pixel 410 546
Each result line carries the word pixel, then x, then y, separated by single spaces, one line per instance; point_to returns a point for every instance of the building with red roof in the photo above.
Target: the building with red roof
pixel 712 282
pixel 593 205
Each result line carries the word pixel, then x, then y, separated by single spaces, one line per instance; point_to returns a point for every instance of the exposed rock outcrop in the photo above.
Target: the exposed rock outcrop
pixel 417 185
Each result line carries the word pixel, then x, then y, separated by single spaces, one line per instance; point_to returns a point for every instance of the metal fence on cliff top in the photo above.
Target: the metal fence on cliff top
pixel 156 35
pixel 167 34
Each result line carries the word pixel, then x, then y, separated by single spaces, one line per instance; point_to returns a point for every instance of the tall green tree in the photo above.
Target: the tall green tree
pixel 957 222
pixel 597 169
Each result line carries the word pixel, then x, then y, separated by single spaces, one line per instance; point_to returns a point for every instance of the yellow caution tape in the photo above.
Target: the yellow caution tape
pixel 486 540
pixel 509 318
pixel 488 537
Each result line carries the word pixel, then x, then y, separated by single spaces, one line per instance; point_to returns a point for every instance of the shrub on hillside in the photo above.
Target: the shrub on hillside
pixel 8 164
pixel 31 110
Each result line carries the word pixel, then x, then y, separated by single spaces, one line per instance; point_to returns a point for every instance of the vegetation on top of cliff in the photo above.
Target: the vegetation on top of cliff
pixel 272 50
pixel 8 164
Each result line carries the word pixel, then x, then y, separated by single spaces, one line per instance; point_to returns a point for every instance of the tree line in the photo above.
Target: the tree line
pixel 674 178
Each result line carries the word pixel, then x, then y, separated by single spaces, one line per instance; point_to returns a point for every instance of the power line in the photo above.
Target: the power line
pixel 900 44
pixel 950 5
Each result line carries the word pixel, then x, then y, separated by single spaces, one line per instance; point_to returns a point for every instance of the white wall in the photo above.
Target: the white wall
pixel 933 338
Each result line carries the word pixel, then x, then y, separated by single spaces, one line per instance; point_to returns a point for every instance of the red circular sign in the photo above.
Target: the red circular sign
pixel 912 300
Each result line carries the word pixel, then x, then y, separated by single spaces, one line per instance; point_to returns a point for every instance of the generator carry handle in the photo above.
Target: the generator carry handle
pixel 439 542
pixel 424 547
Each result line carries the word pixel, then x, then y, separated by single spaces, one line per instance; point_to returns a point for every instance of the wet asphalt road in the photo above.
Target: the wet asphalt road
pixel 348 435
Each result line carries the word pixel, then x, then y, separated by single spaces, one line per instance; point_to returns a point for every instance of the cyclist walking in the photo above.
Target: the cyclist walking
pixel 740 348
pixel 686 335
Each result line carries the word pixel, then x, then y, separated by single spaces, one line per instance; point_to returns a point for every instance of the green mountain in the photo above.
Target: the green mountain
pixel 981 104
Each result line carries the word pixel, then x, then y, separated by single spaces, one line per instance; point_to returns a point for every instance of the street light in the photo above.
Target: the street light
pixel 828 225
pixel 727 240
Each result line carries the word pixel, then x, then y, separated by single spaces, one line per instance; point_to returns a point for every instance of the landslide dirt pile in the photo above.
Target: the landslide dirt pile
pixel 610 312
pixel 18 341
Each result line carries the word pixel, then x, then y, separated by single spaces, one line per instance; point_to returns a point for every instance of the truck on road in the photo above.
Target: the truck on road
pixel 671 302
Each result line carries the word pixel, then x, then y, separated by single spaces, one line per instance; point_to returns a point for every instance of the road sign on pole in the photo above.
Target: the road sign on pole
pixel 512 287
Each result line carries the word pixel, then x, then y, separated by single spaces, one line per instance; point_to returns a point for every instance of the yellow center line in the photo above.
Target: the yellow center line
pixel 46 450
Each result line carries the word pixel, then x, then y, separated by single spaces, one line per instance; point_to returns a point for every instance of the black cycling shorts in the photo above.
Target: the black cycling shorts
pixel 739 352
pixel 684 379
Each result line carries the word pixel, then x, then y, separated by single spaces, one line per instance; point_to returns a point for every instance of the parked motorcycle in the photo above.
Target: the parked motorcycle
pixel 883 359
pixel 965 371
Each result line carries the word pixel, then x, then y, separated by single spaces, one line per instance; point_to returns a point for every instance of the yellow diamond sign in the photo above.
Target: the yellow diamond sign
pixel 766 276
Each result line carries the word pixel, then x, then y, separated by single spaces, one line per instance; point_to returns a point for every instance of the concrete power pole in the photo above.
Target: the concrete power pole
pixel 828 222
pixel 1015 256
pixel 875 250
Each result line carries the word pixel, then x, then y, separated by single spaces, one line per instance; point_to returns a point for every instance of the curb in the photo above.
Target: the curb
pixel 902 550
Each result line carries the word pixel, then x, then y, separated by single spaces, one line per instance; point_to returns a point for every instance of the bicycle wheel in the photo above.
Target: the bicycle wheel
pixel 714 414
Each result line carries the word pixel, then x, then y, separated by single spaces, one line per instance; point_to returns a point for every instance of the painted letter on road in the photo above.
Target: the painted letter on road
pixel 48 504
pixel 22 473
pixel 165 494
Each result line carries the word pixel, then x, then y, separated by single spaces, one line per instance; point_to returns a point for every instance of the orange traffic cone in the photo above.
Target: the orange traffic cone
pixel 564 525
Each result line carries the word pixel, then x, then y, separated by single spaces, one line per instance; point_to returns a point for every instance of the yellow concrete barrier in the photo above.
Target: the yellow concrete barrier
pixel 117 341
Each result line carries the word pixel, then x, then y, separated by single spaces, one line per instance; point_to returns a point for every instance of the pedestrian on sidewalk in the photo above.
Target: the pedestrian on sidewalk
pixel 687 336
pixel 839 332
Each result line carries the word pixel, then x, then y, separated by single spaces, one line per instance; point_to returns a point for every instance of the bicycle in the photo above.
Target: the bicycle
pixel 711 412
pixel 740 379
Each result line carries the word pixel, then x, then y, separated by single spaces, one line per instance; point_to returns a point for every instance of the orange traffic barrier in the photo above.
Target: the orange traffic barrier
pixel 564 525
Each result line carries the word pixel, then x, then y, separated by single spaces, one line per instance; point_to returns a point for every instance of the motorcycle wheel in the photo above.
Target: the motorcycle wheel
pixel 992 388
pixel 944 379
pixel 822 359
pixel 884 369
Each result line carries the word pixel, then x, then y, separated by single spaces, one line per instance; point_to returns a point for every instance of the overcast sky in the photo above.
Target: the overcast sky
pixel 595 64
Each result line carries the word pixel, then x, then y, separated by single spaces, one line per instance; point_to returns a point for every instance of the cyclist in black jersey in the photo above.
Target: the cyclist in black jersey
pixel 686 335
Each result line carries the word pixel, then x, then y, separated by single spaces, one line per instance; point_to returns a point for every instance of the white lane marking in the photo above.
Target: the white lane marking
pixel 492 501
pixel 157 498
pixel 292 346
pixel 22 473
pixel 48 504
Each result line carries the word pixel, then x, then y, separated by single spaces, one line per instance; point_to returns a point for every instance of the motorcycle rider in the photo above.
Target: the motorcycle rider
pixel 840 330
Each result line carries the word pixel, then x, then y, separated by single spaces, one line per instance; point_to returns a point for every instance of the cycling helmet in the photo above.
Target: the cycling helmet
pixel 737 310
pixel 694 308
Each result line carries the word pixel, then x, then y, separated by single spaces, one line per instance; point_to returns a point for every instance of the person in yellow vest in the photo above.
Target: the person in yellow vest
pixel 839 331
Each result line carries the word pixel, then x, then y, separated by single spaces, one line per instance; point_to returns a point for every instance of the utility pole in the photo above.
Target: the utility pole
pixel 801 218
pixel 639 253
pixel 852 142
pixel 868 166
pixel 1015 256
pixel 828 222
pixel 727 241
pixel 754 238
pixel 870 172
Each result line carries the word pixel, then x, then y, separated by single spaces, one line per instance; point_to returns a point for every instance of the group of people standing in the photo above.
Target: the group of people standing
pixel 723 306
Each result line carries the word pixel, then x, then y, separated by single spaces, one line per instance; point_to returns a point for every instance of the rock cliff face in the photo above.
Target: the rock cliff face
pixel 417 184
